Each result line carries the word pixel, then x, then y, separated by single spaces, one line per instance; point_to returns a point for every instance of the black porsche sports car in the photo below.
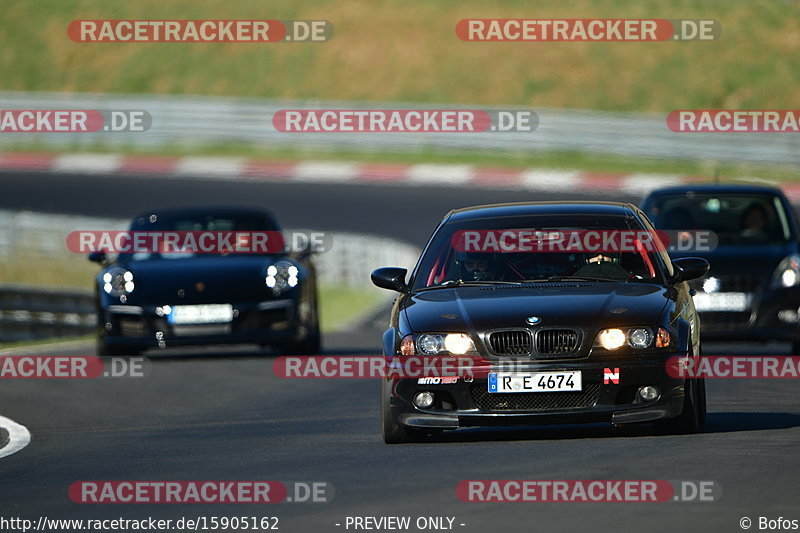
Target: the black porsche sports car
pixel 178 298
pixel 752 291
pixel 587 333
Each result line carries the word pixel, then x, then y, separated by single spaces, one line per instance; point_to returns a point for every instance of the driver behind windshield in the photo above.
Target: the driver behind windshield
pixel 478 266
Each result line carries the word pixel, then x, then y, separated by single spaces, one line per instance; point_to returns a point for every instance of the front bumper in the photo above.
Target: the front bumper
pixel 465 403
pixel 142 327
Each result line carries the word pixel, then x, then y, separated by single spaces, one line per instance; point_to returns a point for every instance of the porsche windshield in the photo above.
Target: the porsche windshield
pixel 539 248
pixel 203 235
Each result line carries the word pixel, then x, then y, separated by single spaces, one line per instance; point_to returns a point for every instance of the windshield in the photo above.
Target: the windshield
pixel 752 219
pixel 187 228
pixel 536 248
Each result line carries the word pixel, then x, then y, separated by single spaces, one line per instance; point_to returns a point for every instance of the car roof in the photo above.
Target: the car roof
pixel 542 208
pixel 176 212
pixel 718 188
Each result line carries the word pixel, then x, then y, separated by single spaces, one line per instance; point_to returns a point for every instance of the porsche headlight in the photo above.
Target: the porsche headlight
pixel 788 272
pixel 639 338
pixel 282 276
pixel 118 282
pixel 437 344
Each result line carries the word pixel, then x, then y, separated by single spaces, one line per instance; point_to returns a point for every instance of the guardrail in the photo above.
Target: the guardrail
pixel 204 121
pixel 28 312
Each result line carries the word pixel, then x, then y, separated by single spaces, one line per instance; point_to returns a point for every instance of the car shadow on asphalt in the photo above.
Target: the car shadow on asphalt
pixel 716 423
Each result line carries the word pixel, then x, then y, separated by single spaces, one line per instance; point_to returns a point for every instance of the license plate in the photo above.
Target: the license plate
pixel 501 382
pixel 201 314
pixel 721 301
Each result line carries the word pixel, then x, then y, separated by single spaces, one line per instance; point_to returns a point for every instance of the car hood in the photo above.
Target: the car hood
pixel 202 279
pixel 556 304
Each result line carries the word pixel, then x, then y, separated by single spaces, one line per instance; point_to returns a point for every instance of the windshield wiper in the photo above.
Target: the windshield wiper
pixel 461 283
pixel 581 278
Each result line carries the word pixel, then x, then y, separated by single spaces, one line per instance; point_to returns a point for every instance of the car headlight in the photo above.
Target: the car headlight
pixel 282 276
pixel 788 272
pixel 118 282
pixel 639 338
pixel 437 344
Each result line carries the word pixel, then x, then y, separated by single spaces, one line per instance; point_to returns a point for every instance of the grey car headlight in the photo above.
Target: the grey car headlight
pixel 788 272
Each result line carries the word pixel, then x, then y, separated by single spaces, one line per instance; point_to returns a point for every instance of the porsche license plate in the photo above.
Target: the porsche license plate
pixel 201 314
pixel 500 382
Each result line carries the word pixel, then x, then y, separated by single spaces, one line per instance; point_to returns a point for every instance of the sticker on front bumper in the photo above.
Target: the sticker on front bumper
pixel 437 381
pixel 502 382
pixel 611 376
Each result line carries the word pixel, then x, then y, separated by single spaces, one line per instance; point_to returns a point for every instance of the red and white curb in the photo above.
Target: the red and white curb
pixel 243 169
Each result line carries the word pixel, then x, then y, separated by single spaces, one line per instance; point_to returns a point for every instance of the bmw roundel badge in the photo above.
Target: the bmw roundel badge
pixel 533 320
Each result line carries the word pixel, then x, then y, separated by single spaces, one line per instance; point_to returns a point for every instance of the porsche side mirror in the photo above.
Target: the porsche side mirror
pixel 97 257
pixel 687 268
pixel 391 278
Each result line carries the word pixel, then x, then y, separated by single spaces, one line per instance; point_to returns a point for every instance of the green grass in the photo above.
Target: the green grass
pixel 341 306
pixel 408 51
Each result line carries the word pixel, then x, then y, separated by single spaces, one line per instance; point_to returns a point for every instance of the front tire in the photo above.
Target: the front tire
pixel 392 432
pixel 689 421
pixel 702 405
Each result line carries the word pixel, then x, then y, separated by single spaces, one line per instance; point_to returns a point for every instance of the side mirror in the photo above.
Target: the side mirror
pixel 391 278
pixel 97 257
pixel 687 268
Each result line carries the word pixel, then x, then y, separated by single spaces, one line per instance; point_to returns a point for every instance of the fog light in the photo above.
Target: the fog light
pixel 423 400
pixel 649 393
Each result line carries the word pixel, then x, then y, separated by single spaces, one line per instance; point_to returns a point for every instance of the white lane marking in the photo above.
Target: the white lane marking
pixel 429 174
pixel 325 171
pixel 18 436
pixel 644 183
pixel 551 180
pixel 87 163
pixel 210 167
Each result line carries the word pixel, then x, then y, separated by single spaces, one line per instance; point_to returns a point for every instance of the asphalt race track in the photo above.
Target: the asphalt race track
pixel 221 414
pixel 402 212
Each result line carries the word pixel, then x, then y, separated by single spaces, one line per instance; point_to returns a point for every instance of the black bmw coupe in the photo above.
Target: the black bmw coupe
pixel 572 310
pixel 163 298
